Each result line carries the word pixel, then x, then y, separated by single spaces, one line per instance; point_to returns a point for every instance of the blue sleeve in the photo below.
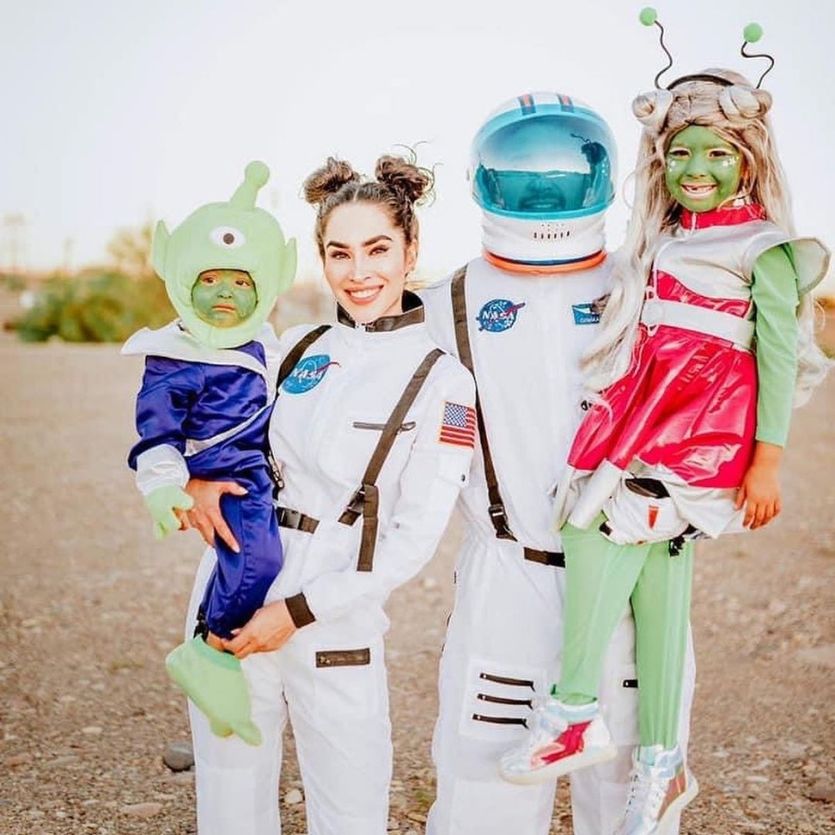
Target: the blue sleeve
pixel 169 390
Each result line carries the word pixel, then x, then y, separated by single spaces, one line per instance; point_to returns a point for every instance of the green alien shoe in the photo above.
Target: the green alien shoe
pixel 215 682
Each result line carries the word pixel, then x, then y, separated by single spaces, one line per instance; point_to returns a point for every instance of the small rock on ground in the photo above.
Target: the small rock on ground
pixel 142 810
pixel 293 797
pixel 178 756
pixel 824 792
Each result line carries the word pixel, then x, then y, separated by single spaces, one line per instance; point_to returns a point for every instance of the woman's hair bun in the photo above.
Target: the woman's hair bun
pixel 651 108
pixel 328 179
pixel 403 176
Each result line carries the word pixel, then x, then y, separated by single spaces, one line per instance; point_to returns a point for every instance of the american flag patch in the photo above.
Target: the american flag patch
pixel 458 425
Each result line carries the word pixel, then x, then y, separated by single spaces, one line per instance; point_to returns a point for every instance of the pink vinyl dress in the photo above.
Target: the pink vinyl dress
pixel 687 405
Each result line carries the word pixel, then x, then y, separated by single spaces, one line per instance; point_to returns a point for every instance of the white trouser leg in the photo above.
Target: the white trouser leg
pixel 340 716
pixel 236 783
pixel 503 643
pixel 333 677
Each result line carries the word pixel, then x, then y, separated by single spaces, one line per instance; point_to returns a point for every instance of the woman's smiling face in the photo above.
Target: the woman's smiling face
pixel 702 170
pixel 366 261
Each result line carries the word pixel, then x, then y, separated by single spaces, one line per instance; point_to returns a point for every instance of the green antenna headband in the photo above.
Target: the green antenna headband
pixel 751 34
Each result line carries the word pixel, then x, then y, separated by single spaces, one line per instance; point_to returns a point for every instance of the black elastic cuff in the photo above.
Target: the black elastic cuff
pixel 299 610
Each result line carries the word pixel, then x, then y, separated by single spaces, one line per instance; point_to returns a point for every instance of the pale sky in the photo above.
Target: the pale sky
pixel 115 112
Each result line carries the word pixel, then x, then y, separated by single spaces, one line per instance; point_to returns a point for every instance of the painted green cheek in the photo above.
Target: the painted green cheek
pixel 720 178
pixel 209 301
pixel 703 179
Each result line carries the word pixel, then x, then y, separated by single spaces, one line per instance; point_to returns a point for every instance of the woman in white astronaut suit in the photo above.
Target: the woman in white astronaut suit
pixel 356 519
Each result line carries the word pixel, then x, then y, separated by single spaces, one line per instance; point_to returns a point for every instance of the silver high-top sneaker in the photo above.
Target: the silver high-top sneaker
pixel 561 738
pixel 659 788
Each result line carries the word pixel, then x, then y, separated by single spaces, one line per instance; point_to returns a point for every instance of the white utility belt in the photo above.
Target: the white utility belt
pixel 735 329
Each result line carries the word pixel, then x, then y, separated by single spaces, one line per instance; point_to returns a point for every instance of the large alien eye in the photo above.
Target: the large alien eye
pixel 228 237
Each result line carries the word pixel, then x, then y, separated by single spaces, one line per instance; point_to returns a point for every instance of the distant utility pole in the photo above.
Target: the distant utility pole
pixel 14 240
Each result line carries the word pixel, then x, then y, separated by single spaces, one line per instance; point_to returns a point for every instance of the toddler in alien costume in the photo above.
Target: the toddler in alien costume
pixel 203 411
pixel 706 340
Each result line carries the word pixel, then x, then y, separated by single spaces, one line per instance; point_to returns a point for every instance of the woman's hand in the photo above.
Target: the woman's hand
pixel 267 630
pixel 760 489
pixel 205 516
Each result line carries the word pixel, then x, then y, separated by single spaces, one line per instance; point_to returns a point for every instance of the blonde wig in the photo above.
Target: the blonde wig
pixel 737 113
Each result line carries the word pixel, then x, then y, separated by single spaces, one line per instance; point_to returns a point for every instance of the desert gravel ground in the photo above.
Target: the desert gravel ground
pixel 89 604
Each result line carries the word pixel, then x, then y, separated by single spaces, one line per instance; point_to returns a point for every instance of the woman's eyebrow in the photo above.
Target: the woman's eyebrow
pixel 369 242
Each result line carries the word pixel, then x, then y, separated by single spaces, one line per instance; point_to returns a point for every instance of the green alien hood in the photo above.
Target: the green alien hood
pixel 232 236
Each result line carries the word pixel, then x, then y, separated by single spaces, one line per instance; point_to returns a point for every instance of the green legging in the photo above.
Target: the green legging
pixel 601 578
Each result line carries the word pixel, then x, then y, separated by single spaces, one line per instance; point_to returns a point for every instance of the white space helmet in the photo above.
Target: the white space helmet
pixel 543 170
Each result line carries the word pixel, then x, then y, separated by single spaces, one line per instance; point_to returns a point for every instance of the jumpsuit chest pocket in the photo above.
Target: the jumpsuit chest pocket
pixel 346 450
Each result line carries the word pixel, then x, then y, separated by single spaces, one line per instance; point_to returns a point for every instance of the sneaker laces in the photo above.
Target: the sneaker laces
pixel 647 788
pixel 545 721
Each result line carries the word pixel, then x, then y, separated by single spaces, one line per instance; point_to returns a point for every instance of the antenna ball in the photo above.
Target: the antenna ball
pixel 257 173
pixel 752 32
pixel 648 16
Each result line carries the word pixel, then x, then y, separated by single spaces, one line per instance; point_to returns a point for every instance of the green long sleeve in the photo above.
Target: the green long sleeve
pixel 775 295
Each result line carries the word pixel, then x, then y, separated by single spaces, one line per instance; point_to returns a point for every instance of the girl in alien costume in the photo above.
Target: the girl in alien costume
pixel 706 340
pixel 203 411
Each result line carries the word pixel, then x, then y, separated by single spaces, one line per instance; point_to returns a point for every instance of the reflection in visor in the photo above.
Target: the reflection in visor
pixel 550 165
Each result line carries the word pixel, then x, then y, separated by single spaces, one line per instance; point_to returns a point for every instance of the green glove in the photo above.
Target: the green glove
pixel 162 502
pixel 215 682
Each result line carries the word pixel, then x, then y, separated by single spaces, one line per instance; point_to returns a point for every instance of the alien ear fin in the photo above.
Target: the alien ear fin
pixel 288 265
pixel 158 248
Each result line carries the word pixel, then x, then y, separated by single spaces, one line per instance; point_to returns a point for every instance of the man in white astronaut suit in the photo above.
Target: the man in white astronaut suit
pixel 521 316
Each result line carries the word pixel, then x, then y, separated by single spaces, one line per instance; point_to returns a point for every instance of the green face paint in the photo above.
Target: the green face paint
pixel 224 298
pixel 702 169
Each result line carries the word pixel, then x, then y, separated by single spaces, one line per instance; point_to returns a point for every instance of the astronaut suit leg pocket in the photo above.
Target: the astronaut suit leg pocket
pixel 499 656
pixel 338 701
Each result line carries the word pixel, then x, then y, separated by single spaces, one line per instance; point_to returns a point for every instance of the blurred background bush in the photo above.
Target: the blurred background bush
pixel 110 302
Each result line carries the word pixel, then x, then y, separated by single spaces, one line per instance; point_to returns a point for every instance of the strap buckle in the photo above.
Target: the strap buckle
pixel 498 516
pixel 358 501
pixel 201 628
pixel 288 518
pixel 497 511
pixel 278 479
pixel 355 507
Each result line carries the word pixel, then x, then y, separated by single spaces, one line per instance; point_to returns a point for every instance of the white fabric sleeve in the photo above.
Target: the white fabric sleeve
pixel 160 466
pixel 429 487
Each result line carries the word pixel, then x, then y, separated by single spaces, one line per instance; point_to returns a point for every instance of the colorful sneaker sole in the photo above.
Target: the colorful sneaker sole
pixel 558 768
pixel 669 820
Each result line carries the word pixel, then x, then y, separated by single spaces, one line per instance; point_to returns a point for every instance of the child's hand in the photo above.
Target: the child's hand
pixel 760 493
pixel 162 503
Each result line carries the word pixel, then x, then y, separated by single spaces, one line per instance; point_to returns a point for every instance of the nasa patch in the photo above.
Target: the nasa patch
pixel 307 374
pixel 498 315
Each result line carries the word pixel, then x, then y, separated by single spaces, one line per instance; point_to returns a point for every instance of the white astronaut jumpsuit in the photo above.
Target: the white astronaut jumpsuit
pixel 330 678
pixel 527 334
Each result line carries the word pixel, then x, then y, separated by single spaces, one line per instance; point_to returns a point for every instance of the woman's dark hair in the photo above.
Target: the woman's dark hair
pixel 399 184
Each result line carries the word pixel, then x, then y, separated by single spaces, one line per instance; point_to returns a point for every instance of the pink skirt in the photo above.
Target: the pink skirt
pixel 688 402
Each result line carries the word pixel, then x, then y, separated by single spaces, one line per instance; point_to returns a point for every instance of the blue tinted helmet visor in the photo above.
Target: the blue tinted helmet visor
pixel 549 165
